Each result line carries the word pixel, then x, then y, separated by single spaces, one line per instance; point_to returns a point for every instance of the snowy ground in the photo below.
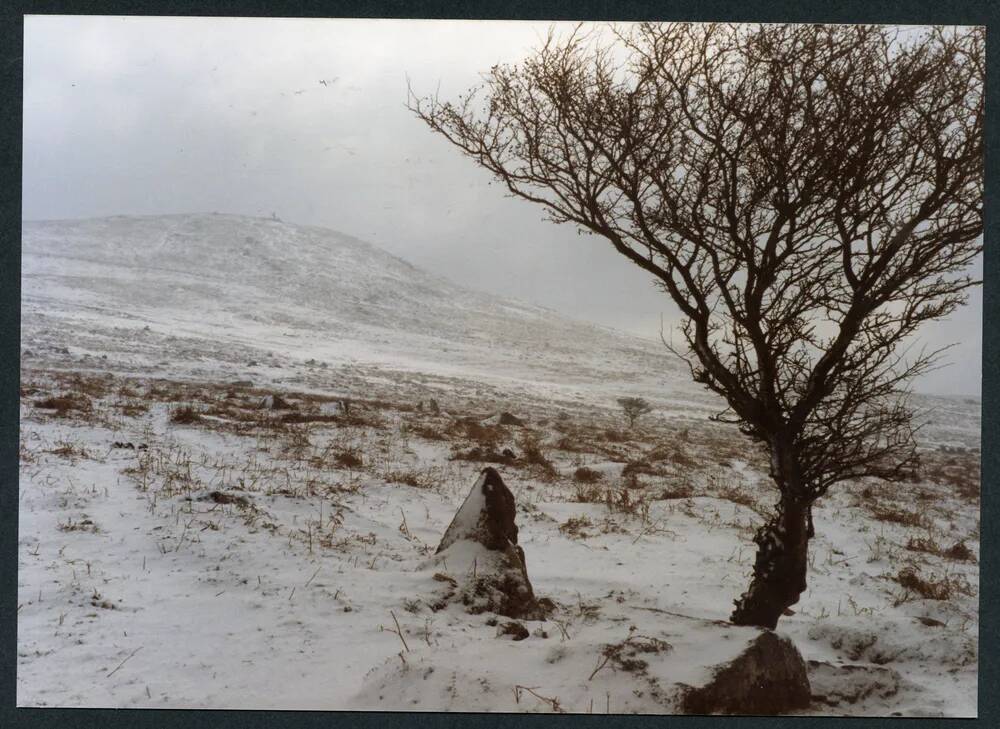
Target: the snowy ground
pixel 179 546
pixel 138 588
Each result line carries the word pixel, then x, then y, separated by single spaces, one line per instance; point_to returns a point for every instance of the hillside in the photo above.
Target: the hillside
pixel 220 291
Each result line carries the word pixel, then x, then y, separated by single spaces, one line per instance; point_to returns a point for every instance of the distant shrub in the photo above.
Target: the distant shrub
pixel 923 544
pixel 409 478
pixel 587 475
pixel 959 552
pixel 893 515
pixel 634 408
pixel 531 453
pixel 931 588
pixel 574 526
pixel 348 459
pixel 426 432
pixel 184 415
pixel 63 404
pixel 682 491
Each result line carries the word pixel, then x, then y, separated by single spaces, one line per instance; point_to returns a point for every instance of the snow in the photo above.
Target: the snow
pixel 137 587
pixel 467 517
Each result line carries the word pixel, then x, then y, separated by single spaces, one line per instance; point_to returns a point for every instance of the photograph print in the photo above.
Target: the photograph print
pixel 500 366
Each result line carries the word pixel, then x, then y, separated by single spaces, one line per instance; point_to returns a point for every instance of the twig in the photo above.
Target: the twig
pixel 399 631
pixel 123 662
pixel 602 664
pixel 553 702
pixel 313 576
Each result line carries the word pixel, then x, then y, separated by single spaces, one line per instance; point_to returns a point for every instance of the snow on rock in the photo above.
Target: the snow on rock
pixel 486 516
pixel 637 663
pixel 481 546
pixel 274 402
pixel 769 677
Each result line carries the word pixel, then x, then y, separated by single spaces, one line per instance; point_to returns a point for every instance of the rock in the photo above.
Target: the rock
pixel 221 497
pixel 243 383
pixel 768 677
pixel 486 516
pixel 481 546
pixel 275 402
pixel 645 661
pixel 508 419
pixel 331 408
pixel 514 629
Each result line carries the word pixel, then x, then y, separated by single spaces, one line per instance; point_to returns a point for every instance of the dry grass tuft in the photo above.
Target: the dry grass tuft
pixel 932 588
pixel 587 475
pixel 185 415
pixel 531 454
pixel 64 404
pixel 348 459
pixel 959 552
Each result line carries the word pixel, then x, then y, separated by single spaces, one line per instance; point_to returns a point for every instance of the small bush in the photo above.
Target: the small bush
pixel 587 475
pixel 295 417
pixel 615 436
pixel 898 516
pixel 485 435
pixel 931 588
pixel 409 478
pixel 84 525
pixel 480 454
pixel 133 408
pixel 184 415
pixel 63 404
pixel 531 453
pixel 959 552
pixel 637 468
pixel 348 459
pixel 682 491
pixel 923 544
pixel 574 526
pixel 738 494
pixel 426 432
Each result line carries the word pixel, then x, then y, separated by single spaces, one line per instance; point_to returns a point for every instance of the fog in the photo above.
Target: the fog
pixel 306 119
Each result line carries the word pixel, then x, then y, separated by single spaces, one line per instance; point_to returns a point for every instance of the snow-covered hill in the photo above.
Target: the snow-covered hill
pixel 218 291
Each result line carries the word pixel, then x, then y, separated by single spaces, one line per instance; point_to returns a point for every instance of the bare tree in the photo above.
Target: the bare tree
pixel 634 407
pixel 807 196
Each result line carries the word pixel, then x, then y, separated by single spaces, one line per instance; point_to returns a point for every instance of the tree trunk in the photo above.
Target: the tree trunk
pixel 779 572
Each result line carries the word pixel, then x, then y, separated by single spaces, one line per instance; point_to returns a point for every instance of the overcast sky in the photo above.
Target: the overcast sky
pixel 165 115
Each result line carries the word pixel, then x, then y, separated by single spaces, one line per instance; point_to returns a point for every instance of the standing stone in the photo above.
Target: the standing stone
pixel 481 542
pixel 486 516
